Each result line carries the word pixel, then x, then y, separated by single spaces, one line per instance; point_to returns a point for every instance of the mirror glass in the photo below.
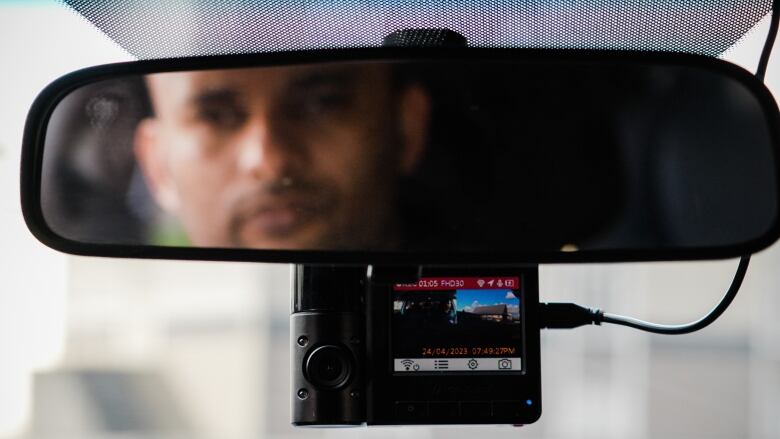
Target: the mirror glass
pixel 413 156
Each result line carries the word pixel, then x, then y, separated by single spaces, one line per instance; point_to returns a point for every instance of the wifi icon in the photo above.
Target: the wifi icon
pixel 480 283
pixel 409 365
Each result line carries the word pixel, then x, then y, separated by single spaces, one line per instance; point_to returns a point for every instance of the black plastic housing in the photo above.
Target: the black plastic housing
pixel 314 402
pixel 362 337
pixel 38 117
pixel 476 398
pixel 328 316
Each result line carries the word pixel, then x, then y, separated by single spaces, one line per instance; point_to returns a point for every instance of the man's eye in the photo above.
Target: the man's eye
pixel 325 102
pixel 222 117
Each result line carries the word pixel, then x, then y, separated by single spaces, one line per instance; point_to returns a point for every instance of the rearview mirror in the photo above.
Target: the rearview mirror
pixel 432 155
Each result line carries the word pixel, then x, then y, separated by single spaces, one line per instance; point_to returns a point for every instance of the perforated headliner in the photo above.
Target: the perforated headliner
pixel 163 29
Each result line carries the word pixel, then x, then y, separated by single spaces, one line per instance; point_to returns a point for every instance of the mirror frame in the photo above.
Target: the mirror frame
pixel 43 106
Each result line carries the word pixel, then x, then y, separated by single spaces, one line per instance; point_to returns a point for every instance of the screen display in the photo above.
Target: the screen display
pixel 458 325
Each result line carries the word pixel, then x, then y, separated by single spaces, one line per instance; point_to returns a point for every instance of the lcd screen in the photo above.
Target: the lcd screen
pixel 458 325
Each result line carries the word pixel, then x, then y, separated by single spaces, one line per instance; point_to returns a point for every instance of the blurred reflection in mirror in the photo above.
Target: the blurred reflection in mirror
pixel 436 156
pixel 295 158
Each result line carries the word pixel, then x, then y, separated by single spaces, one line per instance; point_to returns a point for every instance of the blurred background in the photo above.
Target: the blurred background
pixel 100 348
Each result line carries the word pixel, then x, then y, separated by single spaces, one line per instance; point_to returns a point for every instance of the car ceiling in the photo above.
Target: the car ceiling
pixel 153 29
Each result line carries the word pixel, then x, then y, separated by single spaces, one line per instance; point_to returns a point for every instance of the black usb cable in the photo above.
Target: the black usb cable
pixel 570 315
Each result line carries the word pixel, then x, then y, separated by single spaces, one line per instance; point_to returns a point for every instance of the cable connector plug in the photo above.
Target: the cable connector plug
pixel 567 316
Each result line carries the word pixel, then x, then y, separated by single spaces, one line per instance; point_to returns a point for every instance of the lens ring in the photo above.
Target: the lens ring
pixel 329 367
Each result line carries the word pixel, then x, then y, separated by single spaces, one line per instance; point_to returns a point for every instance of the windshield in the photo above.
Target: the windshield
pixel 100 348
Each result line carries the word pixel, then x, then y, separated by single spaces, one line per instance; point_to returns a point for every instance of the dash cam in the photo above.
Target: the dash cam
pixel 381 346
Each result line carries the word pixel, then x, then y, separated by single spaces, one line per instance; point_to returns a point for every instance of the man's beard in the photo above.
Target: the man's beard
pixel 311 201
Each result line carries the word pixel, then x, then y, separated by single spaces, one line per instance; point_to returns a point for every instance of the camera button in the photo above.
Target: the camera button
pixel 508 409
pixel 411 410
pixel 443 410
pixel 475 409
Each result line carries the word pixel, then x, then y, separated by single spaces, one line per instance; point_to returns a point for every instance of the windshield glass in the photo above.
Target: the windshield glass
pixel 99 348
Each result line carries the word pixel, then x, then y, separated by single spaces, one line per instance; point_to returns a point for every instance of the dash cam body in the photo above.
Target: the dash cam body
pixel 442 346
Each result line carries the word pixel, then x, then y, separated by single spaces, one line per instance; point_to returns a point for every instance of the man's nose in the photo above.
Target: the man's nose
pixel 263 153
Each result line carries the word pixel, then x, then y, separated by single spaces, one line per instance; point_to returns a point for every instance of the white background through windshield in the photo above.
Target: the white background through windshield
pixel 99 348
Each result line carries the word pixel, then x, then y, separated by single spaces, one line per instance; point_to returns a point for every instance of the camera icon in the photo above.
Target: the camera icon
pixel 504 364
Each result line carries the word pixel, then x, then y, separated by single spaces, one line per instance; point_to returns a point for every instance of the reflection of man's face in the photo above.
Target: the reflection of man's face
pixel 284 158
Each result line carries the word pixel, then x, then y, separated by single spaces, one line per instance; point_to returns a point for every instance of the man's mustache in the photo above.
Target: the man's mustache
pixel 308 197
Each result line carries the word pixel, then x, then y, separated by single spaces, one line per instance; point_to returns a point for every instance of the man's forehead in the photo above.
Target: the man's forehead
pixel 195 81
pixel 170 91
pixel 184 83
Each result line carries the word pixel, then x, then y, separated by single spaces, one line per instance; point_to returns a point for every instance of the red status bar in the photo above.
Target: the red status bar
pixel 466 283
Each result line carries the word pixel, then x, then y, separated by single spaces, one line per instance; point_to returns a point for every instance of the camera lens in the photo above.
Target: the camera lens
pixel 329 367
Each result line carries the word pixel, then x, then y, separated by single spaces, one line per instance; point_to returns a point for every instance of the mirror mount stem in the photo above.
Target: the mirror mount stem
pixel 770 41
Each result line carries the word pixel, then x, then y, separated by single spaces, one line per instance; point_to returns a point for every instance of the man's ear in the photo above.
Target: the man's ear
pixel 415 117
pixel 153 161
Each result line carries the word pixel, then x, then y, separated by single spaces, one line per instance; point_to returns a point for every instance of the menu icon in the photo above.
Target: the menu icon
pixel 441 364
